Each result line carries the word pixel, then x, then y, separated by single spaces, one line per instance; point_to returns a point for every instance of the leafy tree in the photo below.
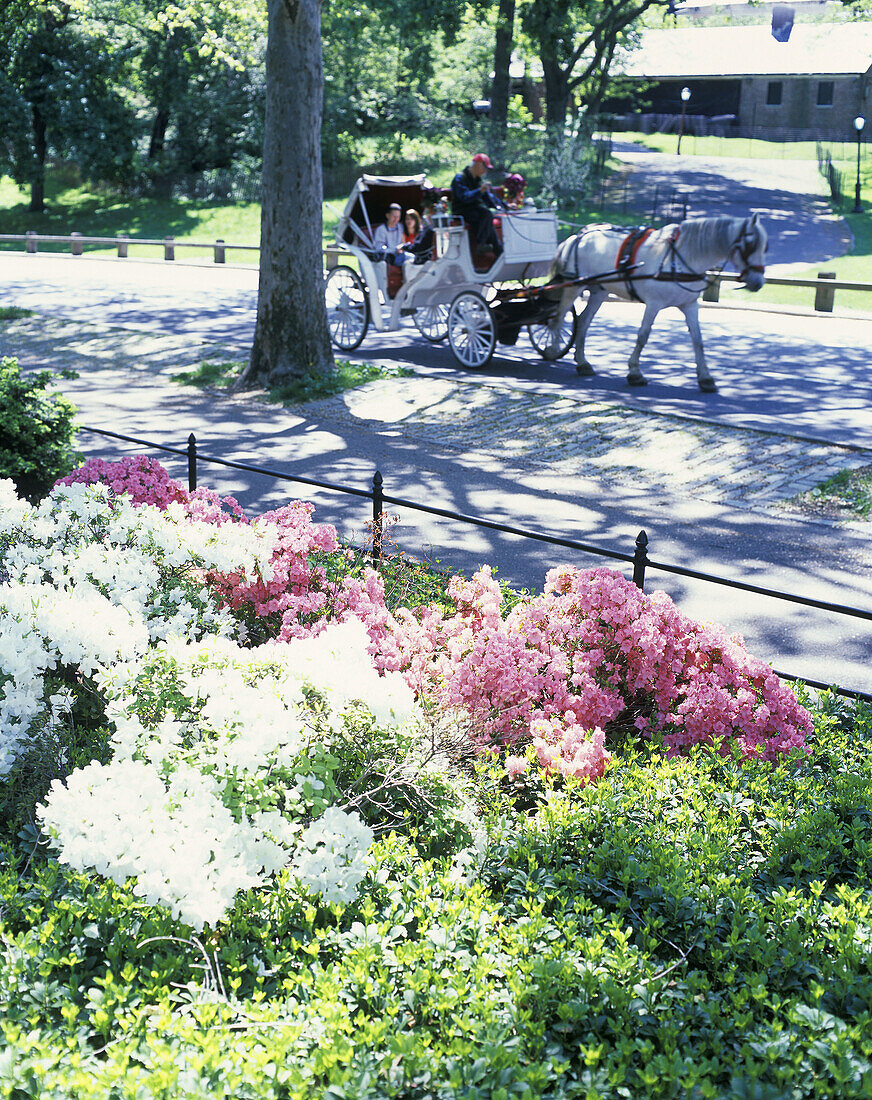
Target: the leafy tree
pixel 576 42
pixel 199 68
pixel 500 90
pixel 61 88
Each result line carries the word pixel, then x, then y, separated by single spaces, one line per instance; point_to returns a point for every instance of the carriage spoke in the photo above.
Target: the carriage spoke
pixel 347 308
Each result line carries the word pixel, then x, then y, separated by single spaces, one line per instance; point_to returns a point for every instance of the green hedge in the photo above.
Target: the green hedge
pixel 692 928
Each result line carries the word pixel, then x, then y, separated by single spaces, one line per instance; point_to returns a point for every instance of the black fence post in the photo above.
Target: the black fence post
pixel 192 462
pixel 377 506
pixel 640 559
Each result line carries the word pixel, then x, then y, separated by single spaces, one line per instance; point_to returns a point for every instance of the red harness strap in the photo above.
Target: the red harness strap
pixel 630 246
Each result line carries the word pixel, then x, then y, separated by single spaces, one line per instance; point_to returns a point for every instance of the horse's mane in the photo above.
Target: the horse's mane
pixel 709 234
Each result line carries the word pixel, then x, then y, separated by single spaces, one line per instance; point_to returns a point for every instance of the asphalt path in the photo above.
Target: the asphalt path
pixel 795 374
pixel 787 194
pixel 806 374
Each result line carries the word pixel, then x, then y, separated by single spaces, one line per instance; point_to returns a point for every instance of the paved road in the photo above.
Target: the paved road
pixel 524 454
pixel 808 373
pixel 786 193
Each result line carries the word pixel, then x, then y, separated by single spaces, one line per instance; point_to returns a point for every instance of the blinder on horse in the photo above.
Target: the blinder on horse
pixel 746 245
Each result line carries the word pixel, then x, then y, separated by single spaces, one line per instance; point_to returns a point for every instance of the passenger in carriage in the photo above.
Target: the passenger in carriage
pixel 473 200
pixel 514 185
pixel 421 247
pixel 388 238
pixel 412 226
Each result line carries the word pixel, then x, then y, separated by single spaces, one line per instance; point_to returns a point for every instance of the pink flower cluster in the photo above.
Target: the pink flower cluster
pixel 591 650
pixel 552 673
pixel 145 481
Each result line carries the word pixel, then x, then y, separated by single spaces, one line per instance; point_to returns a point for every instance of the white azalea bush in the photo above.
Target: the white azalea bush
pixel 224 771
pixel 87 580
pixel 225 768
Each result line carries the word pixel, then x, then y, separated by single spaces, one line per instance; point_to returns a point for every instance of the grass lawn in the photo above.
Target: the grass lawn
pixel 347 376
pixel 711 145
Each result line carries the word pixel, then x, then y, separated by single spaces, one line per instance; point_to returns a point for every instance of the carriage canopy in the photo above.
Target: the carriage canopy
pixel 369 201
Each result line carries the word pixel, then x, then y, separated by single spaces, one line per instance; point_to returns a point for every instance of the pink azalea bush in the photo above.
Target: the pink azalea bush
pixel 591 653
pixel 593 650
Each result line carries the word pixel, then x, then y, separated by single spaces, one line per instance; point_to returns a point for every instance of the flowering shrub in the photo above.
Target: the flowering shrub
pixel 593 650
pixel 90 580
pixel 293 597
pixel 200 801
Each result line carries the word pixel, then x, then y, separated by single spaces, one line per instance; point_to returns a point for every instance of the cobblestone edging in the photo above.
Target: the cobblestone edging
pixel 520 429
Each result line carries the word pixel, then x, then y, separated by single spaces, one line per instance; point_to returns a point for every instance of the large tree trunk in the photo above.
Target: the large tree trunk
pixel 40 150
pixel 501 85
pixel 158 132
pixel 291 336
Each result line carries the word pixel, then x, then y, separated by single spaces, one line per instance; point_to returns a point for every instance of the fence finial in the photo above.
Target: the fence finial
pixel 640 559
pixel 377 519
pixel 192 462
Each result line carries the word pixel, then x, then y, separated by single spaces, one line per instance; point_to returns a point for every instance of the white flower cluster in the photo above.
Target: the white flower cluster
pixel 168 808
pixel 86 581
pixel 330 857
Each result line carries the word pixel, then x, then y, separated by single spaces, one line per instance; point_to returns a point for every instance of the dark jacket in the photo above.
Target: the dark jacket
pixel 466 194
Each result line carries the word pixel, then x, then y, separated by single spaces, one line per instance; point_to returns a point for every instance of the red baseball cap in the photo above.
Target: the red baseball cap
pixel 482 158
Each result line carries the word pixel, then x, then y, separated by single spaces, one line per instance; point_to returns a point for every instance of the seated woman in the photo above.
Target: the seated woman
pixel 411 226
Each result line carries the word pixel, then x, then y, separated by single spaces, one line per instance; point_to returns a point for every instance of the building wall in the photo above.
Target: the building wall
pixel 799 109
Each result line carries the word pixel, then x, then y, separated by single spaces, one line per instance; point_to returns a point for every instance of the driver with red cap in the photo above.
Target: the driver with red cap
pixel 472 199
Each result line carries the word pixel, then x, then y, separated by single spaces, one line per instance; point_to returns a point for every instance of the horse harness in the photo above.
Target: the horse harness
pixel 673 267
pixel 625 261
pixel 745 246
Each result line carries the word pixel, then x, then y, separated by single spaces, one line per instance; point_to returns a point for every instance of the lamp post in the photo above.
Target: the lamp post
pixel 859 123
pixel 685 96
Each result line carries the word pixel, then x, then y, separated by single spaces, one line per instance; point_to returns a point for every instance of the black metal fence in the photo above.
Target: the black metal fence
pixel 639 558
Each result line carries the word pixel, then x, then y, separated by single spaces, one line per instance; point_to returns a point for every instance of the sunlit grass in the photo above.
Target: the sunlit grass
pixel 219 374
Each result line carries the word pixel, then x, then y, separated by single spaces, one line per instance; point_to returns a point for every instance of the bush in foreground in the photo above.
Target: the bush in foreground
pixel 275 882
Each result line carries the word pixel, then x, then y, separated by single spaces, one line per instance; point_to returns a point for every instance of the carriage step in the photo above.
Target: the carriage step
pixel 407 311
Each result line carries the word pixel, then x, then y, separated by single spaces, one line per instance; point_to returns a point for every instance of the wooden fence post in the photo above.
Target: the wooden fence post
pixel 824 296
pixel 169 248
pixel 712 292
pixel 76 244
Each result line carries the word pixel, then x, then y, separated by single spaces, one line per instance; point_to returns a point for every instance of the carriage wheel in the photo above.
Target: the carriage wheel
pixel 347 308
pixel 472 333
pixel 432 322
pixel 554 345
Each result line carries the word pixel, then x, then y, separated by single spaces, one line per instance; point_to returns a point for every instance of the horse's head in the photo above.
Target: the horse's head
pixel 748 253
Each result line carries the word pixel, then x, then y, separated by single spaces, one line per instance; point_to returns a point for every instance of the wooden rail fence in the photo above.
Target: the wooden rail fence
pixel 824 286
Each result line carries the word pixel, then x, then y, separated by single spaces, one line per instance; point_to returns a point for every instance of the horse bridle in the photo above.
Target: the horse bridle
pixel 746 244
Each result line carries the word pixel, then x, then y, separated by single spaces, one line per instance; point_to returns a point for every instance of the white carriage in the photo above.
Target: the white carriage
pixel 473 298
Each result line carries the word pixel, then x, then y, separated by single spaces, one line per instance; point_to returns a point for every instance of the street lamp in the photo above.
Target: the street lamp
pixel 685 96
pixel 859 123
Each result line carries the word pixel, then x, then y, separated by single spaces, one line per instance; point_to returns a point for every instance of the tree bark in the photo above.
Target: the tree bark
pixel 158 132
pixel 501 83
pixel 291 336
pixel 40 151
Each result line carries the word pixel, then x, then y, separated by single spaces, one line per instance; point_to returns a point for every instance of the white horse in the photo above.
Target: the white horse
pixel 664 267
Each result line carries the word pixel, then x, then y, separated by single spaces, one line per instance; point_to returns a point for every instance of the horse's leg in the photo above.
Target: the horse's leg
pixel 595 299
pixel 634 375
pixel 703 375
